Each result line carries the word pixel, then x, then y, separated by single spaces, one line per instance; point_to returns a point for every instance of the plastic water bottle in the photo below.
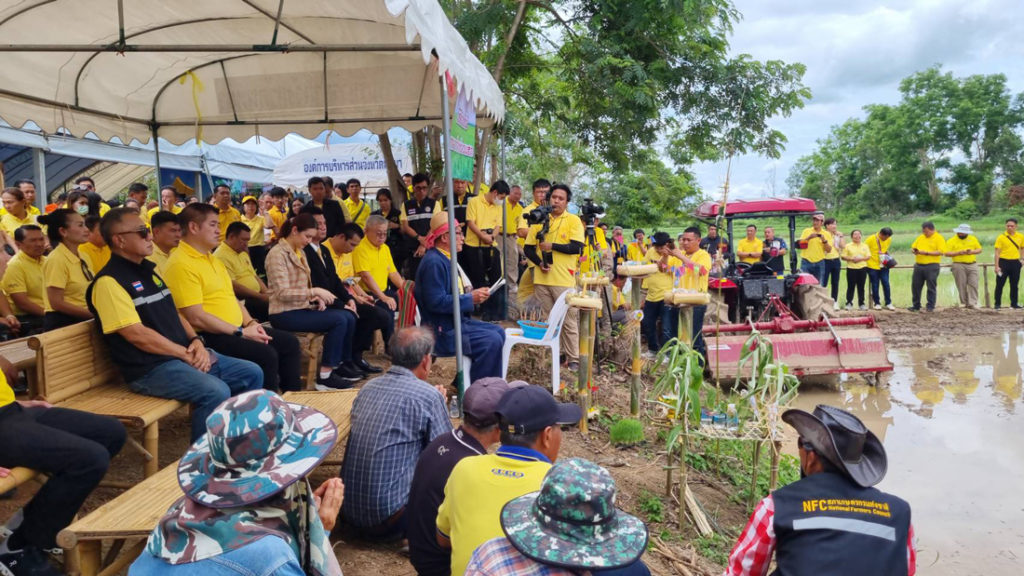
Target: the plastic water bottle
pixel 453 408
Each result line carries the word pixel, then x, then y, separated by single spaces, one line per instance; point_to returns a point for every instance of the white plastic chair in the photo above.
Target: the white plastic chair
pixel 550 340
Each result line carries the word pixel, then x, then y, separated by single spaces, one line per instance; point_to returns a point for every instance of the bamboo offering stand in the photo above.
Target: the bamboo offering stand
pixel 588 303
pixel 636 272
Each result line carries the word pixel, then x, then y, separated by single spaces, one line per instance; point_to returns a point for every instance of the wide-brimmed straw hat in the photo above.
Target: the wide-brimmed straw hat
pixel 255 445
pixel 842 439
pixel 572 522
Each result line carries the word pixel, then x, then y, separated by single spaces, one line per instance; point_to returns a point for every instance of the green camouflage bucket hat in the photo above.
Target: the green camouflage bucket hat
pixel 255 445
pixel 572 522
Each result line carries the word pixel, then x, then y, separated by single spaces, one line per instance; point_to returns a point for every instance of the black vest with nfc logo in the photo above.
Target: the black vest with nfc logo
pixel 156 310
pixel 826 524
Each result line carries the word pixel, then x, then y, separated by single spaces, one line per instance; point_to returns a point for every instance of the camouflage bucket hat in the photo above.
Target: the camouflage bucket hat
pixel 572 522
pixel 255 445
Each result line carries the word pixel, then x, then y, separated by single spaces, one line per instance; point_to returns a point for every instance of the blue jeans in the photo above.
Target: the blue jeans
pixel 669 316
pixel 268 556
pixel 833 268
pixel 339 326
pixel 816 269
pixel 177 380
pixel 879 276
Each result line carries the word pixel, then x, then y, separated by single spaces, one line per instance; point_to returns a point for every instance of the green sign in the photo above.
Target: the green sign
pixel 463 138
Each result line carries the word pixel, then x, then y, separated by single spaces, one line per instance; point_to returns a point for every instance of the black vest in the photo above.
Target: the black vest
pixel 826 524
pixel 156 310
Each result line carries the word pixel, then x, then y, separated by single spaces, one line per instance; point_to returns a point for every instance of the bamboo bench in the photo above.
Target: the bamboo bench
pixel 312 346
pixel 135 513
pixel 18 353
pixel 74 370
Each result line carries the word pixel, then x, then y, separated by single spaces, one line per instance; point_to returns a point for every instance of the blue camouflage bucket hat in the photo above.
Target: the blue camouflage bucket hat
pixel 572 522
pixel 255 445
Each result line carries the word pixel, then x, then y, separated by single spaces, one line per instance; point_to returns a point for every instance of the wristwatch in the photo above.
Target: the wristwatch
pixel 197 337
pixel 238 332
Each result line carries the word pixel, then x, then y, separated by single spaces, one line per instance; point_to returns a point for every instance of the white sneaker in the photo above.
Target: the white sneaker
pixel 878 306
pixel 835 306
pixel 890 307
pixel 648 355
pixel 863 307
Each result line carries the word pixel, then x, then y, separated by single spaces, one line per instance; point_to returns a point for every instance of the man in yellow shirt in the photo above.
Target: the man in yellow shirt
pixel 878 272
pixel 28 188
pixel 166 236
pixel 964 248
pixel 658 286
pixel 478 488
pixel 928 249
pixel 227 213
pixel 696 269
pixel 234 253
pixel 23 279
pixel 556 258
pixel 372 262
pixel 751 248
pixel 357 209
pixel 168 202
pixel 541 187
pixel 1008 262
pixel 483 261
pixel 637 249
pixel 204 295
pixel 279 211
pixel 511 253
pixel 815 242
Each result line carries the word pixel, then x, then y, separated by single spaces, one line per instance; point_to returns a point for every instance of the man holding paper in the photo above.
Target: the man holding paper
pixel 481 342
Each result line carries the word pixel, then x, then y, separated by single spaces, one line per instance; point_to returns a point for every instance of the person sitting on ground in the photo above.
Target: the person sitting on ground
pixel 371 317
pixel 202 291
pixel 828 522
pixel 248 287
pixel 95 248
pixel 335 212
pixel 157 352
pixel 372 262
pixel 227 214
pixel 749 249
pixel 531 421
pixel 964 248
pixel 479 431
pixel 297 306
pixel 23 279
pixel 66 272
pixel 249 507
pixel 16 211
pixel 324 275
pixel 72 448
pixel 482 342
pixel 571 526
pixel 166 236
pixel 394 417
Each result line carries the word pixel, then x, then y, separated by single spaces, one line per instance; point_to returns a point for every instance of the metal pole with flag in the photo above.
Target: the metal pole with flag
pixel 460 378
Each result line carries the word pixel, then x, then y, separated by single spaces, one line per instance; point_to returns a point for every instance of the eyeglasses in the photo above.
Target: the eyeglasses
pixel 142 231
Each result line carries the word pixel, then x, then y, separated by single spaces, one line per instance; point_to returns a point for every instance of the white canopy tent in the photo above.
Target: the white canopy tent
pixel 364 162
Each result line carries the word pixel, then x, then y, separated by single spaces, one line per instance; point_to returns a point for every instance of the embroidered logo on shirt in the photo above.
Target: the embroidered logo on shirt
pixel 138 286
pixel 506 473
pixel 442 450
pixel 159 283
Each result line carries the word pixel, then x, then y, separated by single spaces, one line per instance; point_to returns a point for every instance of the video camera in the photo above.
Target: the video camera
pixel 538 215
pixel 589 211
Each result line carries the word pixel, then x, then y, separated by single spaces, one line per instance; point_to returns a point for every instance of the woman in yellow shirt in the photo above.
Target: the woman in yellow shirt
pixel 856 254
pixel 17 214
pixel 66 273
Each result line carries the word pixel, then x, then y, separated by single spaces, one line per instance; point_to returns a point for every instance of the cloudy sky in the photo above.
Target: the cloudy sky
pixel 856 53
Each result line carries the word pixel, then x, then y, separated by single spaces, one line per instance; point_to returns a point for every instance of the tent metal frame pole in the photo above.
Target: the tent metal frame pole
pixel 209 48
pixel 156 150
pixel 39 176
pixel 504 233
pixel 460 378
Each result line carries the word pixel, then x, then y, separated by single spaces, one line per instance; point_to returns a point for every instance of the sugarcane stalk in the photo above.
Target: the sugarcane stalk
pixel 583 383
pixel 634 385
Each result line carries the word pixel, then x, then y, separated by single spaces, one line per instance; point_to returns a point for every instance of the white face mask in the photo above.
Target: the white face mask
pixel 82 209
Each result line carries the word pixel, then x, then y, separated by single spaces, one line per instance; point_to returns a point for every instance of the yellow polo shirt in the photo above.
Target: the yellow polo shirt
pixel 635 251
pixel 7 397
pixel 149 214
pixel 113 305
pixel 24 275
pixel 342 263
pixel 852 250
pixel 513 212
pixel 876 245
pixel 484 214
pixel 660 283
pixel 697 278
pixel 63 269
pixel 815 251
pixel 359 211
pixel 562 230
pixel 196 278
pixel 255 225
pixel 933 244
pixel 159 257
pixel 955 244
pixel 1007 250
pixel 98 255
pixel 9 222
pixel 226 217
pixel 522 223
pixel 755 245
pixel 377 261
pixel 31 210
pixel 239 266
pixel 278 218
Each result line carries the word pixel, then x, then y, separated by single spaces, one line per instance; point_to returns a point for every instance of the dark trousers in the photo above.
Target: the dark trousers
pixel 880 276
pixel 339 327
pixel 483 343
pixel 55 320
pixel 279 360
pixel 832 269
pixel 412 264
pixel 698 330
pixel 73 447
pixel 484 270
pixel 925 274
pixel 258 309
pixel 389 326
pixel 258 257
pixel 669 316
pixel 371 319
pixel 1011 273
pixel 855 279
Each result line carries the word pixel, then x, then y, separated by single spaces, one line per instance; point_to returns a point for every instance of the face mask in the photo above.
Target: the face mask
pixel 82 209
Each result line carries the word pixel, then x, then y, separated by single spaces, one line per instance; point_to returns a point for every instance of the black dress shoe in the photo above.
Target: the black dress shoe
pixel 367 367
pixel 334 382
pixel 348 371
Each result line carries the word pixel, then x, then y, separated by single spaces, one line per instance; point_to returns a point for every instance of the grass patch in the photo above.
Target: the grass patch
pixel 652 507
pixel 715 548
pixel 733 461
pixel 626 432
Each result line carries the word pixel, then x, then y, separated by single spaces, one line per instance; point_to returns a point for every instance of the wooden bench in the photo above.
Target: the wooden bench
pixel 312 346
pixel 74 370
pixel 135 513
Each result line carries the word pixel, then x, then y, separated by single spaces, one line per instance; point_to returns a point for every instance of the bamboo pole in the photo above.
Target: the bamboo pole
pixel 583 382
pixel 773 480
pixel 668 473
pixel 752 498
pixel 634 385
pixel 682 467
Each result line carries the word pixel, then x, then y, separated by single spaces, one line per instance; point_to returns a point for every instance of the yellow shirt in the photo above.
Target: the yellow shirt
pixel 815 251
pixel 660 283
pixel 342 263
pixel 876 245
pixel 562 230
pixel 477 489
pixel 239 266
pixel 755 245
pixel 522 223
pixel 377 261
pixel 359 212
pixel 24 275
pixel 31 210
pixel 196 278
pixel 255 225
pixel 935 243
pixel 113 305
pixel 635 251
pixel 485 215
pixel 602 240
pixel 833 252
pixel 513 212
pixel 149 214
pixel 1007 251
pixel 64 269
pixel 852 250
pixel 7 396
pixel 98 255
pixel 9 222
pixel 696 278
pixel 226 217
pixel 955 244
pixel 159 257
pixel 278 218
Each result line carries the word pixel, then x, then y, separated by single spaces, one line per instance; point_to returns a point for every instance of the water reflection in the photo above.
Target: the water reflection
pixel 1007 369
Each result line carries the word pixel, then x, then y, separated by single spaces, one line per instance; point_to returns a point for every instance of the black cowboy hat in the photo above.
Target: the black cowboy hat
pixel 842 439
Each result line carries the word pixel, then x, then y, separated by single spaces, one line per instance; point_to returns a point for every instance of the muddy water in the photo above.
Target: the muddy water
pixel 952 420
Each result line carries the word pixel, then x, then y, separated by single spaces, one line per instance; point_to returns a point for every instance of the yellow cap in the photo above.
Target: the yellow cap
pixel 247 198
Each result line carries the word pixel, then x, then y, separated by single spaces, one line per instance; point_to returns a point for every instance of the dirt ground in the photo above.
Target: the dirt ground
pixel 638 471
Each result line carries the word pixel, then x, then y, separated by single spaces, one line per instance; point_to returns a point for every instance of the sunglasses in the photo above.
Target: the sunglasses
pixel 142 231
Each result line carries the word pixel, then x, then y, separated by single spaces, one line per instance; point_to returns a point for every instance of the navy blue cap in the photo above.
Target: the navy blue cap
pixel 660 239
pixel 533 408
